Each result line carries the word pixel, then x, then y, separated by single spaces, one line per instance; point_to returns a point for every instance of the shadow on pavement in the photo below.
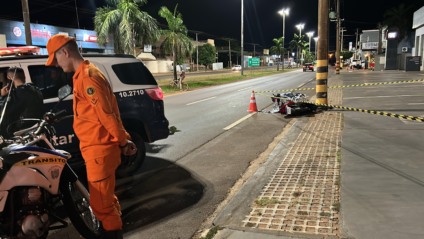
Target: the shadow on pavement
pixel 158 190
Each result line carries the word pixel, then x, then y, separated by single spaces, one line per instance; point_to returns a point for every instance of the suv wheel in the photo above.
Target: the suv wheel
pixel 131 164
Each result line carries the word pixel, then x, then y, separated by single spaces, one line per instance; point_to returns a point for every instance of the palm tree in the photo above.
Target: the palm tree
pixel 126 24
pixel 278 48
pixel 400 18
pixel 304 48
pixel 176 40
pixel 299 44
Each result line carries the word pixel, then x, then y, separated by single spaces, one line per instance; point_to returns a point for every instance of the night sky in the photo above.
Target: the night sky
pixel 220 19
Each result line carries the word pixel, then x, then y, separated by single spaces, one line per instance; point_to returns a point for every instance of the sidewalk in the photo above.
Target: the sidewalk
pixel 297 192
pixel 300 198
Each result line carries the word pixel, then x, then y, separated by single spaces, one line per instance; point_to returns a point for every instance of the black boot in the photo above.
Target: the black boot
pixel 112 234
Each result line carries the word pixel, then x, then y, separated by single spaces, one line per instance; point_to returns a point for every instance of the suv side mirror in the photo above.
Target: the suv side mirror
pixel 64 92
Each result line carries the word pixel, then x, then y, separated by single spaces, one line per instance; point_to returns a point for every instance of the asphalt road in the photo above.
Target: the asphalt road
pixel 382 158
pixel 201 115
pixel 187 175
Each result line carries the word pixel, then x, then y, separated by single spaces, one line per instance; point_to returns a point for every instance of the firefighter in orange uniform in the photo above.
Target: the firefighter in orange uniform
pixel 98 126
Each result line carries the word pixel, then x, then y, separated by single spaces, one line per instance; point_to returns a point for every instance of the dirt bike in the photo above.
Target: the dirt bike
pixel 36 182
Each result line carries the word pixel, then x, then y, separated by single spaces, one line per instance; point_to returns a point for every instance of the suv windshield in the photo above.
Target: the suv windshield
pixel 134 73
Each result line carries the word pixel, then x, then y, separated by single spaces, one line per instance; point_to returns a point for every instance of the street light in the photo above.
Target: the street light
pixel 310 34
pixel 316 40
pixel 242 40
pixel 284 12
pixel 342 30
pixel 300 27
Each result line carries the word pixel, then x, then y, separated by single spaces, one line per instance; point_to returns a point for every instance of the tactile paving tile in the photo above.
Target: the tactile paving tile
pixel 303 195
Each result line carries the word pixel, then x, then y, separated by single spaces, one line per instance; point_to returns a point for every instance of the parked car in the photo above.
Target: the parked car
pixel 356 63
pixel 236 68
pixel 308 67
pixel 139 98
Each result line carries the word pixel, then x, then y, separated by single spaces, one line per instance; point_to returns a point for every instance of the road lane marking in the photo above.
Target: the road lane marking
pixel 415 103
pixel 247 88
pixel 301 85
pixel 195 102
pixel 239 121
pixel 381 96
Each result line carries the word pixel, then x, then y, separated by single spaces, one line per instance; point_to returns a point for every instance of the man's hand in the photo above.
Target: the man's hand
pixel 128 149
pixel 5 90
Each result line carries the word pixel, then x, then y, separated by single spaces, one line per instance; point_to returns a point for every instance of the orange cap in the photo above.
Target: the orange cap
pixel 54 44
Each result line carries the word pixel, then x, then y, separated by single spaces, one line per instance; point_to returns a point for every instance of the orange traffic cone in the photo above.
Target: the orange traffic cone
pixel 252 105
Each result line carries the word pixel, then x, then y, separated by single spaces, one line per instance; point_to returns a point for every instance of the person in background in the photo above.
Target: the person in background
pixel 180 80
pixel 3 79
pixel 98 126
pixel 182 76
pixel 3 82
pixel 25 102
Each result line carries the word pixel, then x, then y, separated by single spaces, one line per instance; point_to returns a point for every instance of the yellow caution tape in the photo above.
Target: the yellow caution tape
pixel 346 86
pixel 377 83
pixel 374 112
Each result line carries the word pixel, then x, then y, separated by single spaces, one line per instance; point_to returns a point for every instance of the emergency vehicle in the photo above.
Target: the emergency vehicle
pixel 139 98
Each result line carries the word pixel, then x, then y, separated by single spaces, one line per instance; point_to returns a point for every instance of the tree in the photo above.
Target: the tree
pixel 207 54
pixel 299 44
pixel 304 48
pixel 347 54
pixel 126 24
pixel 176 40
pixel 308 56
pixel 278 49
pixel 400 18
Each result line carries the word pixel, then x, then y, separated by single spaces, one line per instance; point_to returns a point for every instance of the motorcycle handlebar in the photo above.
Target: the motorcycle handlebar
pixel 48 119
pixel 51 117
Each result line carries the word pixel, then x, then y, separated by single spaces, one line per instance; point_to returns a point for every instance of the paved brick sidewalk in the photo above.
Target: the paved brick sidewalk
pixel 303 196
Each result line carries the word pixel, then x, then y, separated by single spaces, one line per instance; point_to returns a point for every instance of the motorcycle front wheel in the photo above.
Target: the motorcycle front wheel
pixel 79 211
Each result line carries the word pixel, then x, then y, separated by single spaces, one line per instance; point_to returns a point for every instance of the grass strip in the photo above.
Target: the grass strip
pixel 199 81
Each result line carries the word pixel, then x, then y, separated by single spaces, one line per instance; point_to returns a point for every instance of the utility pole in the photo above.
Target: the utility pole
pixel 242 40
pixel 254 47
pixel 76 11
pixel 27 24
pixel 342 30
pixel 197 53
pixel 284 33
pixel 229 52
pixel 356 43
pixel 322 62
pixel 338 37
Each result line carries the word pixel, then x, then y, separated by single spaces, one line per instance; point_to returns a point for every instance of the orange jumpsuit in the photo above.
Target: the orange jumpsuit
pixel 98 126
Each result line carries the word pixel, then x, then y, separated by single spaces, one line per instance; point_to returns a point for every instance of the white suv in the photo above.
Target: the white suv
pixel 139 98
